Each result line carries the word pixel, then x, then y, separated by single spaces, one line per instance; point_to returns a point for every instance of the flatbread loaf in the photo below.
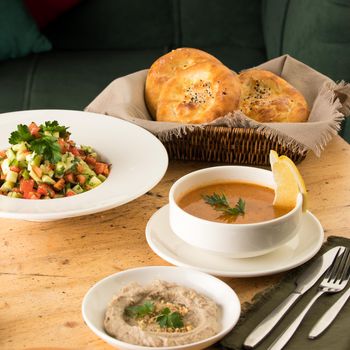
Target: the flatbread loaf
pixel 166 67
pixel 266 97
pixel 199 94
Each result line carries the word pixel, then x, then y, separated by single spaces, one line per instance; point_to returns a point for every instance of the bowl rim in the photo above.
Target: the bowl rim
pixel 124 345
pixel 182 179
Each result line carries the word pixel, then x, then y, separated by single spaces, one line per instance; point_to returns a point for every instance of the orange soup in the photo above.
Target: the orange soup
pixel 232 202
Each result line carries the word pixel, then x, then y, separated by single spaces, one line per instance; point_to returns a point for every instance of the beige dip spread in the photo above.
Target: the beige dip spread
pixel 199 315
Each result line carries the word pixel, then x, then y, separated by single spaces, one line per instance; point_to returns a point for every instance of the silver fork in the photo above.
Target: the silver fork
pixel 334 281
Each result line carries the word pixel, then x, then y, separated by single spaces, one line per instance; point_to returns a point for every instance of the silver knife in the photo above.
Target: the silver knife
pixel 329 316
pixel 304 282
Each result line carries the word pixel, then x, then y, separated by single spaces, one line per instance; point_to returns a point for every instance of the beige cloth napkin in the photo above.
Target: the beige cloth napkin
pixel 328 101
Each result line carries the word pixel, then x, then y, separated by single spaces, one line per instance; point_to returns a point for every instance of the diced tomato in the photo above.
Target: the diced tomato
pixel 74 150
pixel 80 168
pixel 31 195
pixel 81 179
pixel 90 160
pixel 16 189
pixel 42 190
pixel 2 176
pixel 62 145
pixel 106 171
pixel 69 177
pixel 100 167
pixel 37 171
pixel 2 154
pixel 34 129
pixel 26 186
pixel 70 193
pixel 14 168
pixel 58 186
pixel 46 190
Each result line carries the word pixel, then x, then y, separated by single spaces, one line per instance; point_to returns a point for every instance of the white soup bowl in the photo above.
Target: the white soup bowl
pixel 229 239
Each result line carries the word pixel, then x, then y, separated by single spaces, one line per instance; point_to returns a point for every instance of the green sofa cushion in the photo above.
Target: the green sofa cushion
pixel 68 80
pixel 318 34
pixel 314 32
pixel 114 24
pixel 221 23
pixel 237 57
pixel 230 30
pixel 274 14
pixel 19 34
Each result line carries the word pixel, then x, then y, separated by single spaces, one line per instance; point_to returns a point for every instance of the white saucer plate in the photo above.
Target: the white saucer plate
pixel 171 248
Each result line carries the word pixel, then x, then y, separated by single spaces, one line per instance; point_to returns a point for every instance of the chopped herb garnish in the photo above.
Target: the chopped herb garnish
pixel 45 145
pixel 220 203
pixel 140 310
pixel 22 134
pixel 54 127
pixel 48 147
pixel 170 319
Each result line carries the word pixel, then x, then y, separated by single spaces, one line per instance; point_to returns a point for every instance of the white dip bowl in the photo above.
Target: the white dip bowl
pixel 227 239
pixel 100 295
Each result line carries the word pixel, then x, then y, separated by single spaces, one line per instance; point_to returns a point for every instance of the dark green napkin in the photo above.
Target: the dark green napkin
pixel 337 336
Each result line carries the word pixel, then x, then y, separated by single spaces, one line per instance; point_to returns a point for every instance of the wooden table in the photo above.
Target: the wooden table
pixel 46 268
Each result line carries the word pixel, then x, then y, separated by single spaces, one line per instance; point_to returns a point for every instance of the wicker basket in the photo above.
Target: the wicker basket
pixel 228 145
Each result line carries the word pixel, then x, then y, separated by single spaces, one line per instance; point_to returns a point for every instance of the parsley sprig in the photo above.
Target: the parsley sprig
pixel 45 145
pixel 22 134
pixel 165 319
pixel 220 203
pixel 48 147
pixel 138 311
pixel 54 127
pixel 170 319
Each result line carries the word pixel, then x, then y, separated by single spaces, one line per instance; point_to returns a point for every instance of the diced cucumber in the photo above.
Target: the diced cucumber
pixel 34 176
pixel 86 169
pixel 7 186
pixel 11 176
pixel 25 174
pixel 15 195
pixel 20 156
pixel 30 157
pixel 36 160
pixel 23 164
pixel 60 168
pixel 19 147
pixel 101 177
pixel 10 154
pixel 48 180
pixel 14 162
pixel 45 168
pixel 77 189
pixel 54 134
pixel 87 149
pixel 94 181
pixel 5 166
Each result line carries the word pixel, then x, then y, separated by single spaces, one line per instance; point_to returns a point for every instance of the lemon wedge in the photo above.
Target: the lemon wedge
pixel 289 182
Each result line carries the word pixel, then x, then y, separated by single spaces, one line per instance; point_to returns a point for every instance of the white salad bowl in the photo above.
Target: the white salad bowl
pixel 229 239
pixel 138 162
pixel 99 296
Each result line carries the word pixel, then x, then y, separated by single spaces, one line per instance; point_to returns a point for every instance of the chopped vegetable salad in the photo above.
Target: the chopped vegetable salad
pixel 44 163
